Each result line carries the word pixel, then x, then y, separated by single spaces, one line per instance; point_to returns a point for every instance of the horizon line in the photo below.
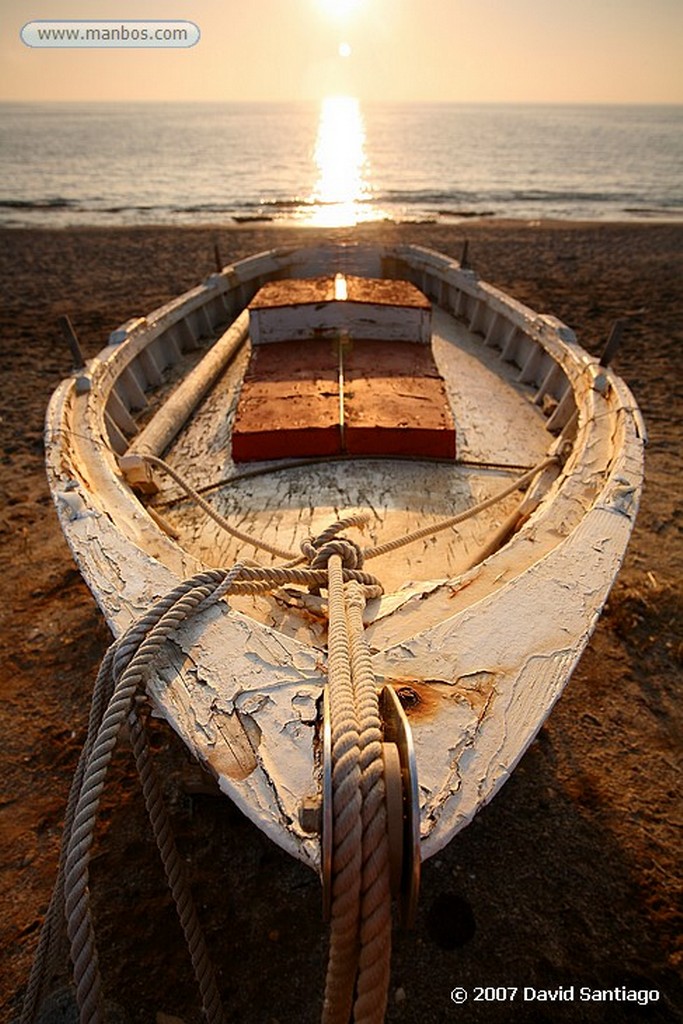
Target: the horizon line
pixel 403 102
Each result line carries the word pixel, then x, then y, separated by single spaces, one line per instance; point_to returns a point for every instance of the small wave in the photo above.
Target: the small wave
pixel 292 203
pixel 465 214
pixel 553 196
pixel 296 203
pixel 57 203
pixel 205 208
pixel 424 197
pixel 256 218
pixel 120 209
pixel 655 211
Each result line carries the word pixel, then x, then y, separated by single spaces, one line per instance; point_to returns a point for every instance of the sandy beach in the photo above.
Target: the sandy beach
pixel 571 877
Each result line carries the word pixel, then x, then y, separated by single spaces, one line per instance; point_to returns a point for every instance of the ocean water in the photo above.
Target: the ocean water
pixel 336 163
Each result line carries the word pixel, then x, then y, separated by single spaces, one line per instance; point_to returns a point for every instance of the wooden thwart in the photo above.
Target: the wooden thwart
pixel 388 399
pixel 289 403
pixel 327 306
pixel 395 402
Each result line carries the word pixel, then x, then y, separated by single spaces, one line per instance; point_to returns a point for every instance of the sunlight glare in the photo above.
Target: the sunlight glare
pixel 342 164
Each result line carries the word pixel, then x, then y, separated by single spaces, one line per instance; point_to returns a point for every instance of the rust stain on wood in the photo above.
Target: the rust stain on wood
pixel 418 699
pixel 422 698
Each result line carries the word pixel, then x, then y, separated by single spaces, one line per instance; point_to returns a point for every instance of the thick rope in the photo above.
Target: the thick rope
pixel 79 919
pixel 52 936
pixel 175 872
pixel 45 963
pixel 45 960
pixel 347 809
pixel 372 986
pixel 358 519
pixel 360 935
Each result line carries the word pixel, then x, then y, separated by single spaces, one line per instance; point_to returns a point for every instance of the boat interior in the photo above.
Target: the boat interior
pixel 295 432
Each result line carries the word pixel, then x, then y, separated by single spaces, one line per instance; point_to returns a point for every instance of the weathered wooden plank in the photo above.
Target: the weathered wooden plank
pixel 289 403
pixel 395 402
pixel 327 306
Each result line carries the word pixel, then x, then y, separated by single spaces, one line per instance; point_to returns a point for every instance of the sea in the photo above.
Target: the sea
pixel 338 162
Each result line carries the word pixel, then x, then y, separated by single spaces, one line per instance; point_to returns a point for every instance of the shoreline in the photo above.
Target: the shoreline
pixel 451 223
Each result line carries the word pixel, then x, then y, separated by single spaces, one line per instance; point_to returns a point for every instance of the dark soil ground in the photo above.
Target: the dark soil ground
pixel 569 878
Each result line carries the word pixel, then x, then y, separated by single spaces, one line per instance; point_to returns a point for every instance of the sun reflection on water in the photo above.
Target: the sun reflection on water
pixel 341 194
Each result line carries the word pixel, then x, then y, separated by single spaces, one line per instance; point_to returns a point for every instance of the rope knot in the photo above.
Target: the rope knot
pixel 318 549
pixel 349 552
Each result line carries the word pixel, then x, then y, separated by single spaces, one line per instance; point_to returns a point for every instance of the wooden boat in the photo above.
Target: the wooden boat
pixel 390 380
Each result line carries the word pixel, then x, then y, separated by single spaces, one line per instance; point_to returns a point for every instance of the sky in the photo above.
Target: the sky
pixel 541 51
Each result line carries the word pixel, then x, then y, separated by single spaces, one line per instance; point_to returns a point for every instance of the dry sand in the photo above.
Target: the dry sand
pixel 568 878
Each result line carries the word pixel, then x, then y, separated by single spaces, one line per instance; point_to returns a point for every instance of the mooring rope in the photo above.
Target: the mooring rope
pixel 146 644
pixel 104 720
pixel 118 688
pixel 360 934
pixel 347 805
pixel 45 962
pixel 175 872
pixel 372 986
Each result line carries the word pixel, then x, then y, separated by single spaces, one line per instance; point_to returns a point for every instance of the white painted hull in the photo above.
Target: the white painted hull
pixel 487 645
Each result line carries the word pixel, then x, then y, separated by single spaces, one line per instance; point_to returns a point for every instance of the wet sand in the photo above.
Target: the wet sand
pixel 570 877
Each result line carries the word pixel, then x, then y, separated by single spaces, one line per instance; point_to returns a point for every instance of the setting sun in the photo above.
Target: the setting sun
pixel 339 8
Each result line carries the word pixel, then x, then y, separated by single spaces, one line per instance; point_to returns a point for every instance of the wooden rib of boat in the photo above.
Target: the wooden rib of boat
pixel 390 380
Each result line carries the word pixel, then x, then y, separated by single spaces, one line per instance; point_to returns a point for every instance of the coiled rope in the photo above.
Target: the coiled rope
pixel 118 688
